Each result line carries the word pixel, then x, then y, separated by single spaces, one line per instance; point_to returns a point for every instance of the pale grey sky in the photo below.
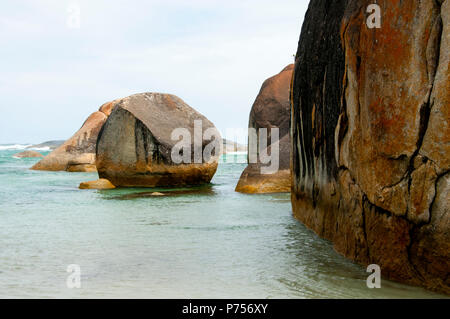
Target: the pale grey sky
pixel 212 54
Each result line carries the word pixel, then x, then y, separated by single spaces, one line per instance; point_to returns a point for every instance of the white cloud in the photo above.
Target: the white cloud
pixel 213 54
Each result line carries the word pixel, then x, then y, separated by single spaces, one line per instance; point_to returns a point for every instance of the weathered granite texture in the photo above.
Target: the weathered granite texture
pixel 134 147
pixel 371 138
pixel 77 154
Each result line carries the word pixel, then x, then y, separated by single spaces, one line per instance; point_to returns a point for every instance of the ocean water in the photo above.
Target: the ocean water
pixel 206 242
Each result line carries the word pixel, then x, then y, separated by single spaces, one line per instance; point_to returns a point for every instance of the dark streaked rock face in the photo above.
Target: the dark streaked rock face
pixel 135 144
pixel 271 109
pixel 370 135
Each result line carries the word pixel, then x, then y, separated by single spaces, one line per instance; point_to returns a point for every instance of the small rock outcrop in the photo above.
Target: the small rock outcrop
pixel 77 154
pixel 371 135
pixel 28 154
pixel 271 109
pixel 49 145
pixel 134 147
pixel 98 184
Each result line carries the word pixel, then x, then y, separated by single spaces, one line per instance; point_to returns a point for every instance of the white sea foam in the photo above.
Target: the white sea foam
pixel 14 147
pixel 23 147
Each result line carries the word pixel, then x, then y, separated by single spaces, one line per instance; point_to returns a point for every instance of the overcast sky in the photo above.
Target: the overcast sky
pixel 212 54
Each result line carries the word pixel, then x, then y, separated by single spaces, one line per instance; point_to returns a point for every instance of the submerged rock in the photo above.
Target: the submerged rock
pixel 157 194
pixel 204 190
pixel 98 184
pixel 135 145
pixel 28 154
pixel 270 110
pixel 77 154
pixel 371 137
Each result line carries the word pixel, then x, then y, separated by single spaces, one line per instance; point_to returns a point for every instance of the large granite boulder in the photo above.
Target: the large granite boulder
pixel 135 145
pixel 77 154
pixel 271 109
pixel 232 147
pixel 371 136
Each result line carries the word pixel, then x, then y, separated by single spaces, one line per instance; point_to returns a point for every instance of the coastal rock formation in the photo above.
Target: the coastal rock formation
pixel 271 109
pixel 135 145
pixel 28 154
pixel 98 184
pixel 371 137
pixel 49 145
pixel 77 154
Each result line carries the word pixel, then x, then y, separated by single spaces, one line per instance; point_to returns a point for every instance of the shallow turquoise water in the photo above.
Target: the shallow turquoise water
pixel 209 242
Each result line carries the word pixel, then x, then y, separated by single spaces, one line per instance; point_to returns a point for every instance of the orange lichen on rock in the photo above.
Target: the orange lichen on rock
pixel 373 177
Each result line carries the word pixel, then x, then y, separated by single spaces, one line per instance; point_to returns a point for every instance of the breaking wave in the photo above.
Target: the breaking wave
pixel 23 147
pixel 14 147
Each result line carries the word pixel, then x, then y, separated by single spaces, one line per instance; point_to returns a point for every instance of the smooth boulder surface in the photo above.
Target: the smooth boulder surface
pixel 77 154
pixel 98 184
pixel 28 154
pixel 135 144
pixel 371 137
pixel 271 109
